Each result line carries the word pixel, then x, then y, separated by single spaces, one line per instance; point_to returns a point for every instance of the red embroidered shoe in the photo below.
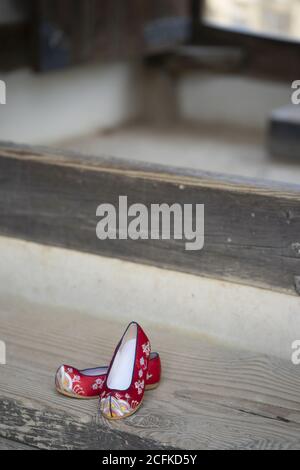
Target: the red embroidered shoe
pixel 88 383
pixel 124 388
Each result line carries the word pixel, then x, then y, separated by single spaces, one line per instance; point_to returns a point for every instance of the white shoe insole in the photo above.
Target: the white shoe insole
pixel 95 371
pixel 120 375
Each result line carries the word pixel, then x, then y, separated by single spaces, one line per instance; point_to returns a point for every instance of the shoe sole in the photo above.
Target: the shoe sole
pixel 71 395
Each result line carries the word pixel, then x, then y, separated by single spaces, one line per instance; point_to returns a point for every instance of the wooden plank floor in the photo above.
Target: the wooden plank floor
pixel 11 445
pixel 210 396
pixel 207 148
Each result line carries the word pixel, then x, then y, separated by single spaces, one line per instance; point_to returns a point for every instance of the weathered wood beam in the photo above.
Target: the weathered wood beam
pixel 252 228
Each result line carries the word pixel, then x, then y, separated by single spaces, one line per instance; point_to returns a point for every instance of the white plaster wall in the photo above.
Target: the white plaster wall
pixel 48 108
pixel 255 319
pixel 44 108
pixel 217 99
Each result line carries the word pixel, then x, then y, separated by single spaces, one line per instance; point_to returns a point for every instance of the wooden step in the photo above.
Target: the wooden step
pixel 210 397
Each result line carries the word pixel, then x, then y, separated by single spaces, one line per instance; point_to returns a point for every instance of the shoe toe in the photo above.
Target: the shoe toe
pixel 63 380
pixel 113 407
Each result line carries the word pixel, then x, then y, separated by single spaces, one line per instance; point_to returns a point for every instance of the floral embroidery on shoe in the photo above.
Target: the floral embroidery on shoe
pixel 146 348
pixel 98 384
pixel 76 378
pixel 139 385
pixel 141 373
pixel 143 363
pixel 78 390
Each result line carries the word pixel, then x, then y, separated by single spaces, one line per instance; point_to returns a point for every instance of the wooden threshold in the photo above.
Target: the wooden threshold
pixel 251 227
pixel 210 397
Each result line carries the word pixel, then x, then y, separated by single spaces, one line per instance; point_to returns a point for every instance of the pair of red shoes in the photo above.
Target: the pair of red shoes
pixel 121 386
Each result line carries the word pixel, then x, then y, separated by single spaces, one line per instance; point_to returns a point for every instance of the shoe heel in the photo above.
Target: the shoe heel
pixel 152 387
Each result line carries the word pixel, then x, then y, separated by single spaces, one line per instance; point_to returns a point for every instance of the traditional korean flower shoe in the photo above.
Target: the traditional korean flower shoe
pixel 88 383
pixel 125 384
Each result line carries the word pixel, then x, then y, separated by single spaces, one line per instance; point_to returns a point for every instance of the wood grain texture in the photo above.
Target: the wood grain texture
pixel 210 397
pixel 251 228
pixel 12 445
